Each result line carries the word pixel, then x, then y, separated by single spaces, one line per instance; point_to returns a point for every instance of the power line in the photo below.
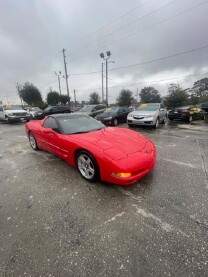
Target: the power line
pixel 151 82
pixel 128 24
pixel 145 62
pixel 109 23
pixel 147 28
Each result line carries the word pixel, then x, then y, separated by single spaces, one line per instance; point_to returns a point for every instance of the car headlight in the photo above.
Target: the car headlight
pixel 108 118
pixel 10 114
pixel 130 115
pixel 150 115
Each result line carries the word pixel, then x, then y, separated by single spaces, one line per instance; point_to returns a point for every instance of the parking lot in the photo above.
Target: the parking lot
pixel 54 223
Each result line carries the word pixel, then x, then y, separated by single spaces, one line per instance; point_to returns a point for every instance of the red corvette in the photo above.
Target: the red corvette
pixel 115 155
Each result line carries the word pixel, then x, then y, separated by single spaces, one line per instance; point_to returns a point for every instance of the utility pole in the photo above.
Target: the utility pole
pixel 75 98
pixel 58 75
pixel 102 85
pixel 137 94
pixel 18 89
pixel 7 98
pixel 66 75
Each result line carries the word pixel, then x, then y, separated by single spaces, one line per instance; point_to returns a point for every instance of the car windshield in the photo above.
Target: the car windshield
pixel 79 124
pixel 148 107
pixel 112 110
pixel 12 107
pixel 86 109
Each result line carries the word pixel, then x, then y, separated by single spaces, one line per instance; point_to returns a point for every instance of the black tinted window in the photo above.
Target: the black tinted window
pixel 50 123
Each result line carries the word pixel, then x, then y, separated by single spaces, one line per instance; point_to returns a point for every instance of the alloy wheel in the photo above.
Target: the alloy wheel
pixel 86 166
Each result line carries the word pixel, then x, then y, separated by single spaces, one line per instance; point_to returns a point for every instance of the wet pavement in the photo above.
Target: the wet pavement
pixel 54 223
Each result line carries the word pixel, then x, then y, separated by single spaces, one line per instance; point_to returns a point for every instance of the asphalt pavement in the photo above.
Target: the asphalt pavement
pixel 54 223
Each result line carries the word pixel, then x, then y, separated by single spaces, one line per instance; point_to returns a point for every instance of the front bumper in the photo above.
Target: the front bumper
pixel 18 117
pixel 178 116
pixel 138 164
pixel 144 121
pixel 105 121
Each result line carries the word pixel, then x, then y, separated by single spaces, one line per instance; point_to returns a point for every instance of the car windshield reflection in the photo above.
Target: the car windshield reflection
pixel 79 124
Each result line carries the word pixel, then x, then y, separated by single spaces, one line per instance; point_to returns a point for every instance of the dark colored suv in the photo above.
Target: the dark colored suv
pixel 51 110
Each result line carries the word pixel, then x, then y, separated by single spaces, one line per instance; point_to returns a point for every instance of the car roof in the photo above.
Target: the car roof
pixel 67 115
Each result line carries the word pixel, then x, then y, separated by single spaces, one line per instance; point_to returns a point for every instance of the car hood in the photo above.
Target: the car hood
pixel 144 113
pixel 15 111
pixel 117 143
pixel 104 115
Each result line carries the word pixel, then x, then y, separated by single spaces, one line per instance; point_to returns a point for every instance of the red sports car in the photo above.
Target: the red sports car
pixel 115 155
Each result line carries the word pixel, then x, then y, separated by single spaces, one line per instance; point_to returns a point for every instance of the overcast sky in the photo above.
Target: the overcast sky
pixel 33 33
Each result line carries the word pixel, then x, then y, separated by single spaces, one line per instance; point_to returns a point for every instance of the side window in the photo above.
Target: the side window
pixel 50 122
pixel 1 109
pixel 96 108
pixel 54 109
pixel 162 106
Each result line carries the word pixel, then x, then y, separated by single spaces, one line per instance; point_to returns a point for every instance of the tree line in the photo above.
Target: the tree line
pixel 176 96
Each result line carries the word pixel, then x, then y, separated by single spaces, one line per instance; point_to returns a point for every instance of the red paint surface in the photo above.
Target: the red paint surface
pixel 115 150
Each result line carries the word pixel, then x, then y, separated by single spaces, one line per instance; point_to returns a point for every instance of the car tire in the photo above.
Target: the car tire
pixel 156 124
pixel 164 120
pixel 33 142
pixel 115 122
pixel 87 166
pixel 190 119
pixel 7 120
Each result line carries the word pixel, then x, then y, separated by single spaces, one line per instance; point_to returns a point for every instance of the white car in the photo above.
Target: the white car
pixel 32 111
pixel 150 114
pixel 13 113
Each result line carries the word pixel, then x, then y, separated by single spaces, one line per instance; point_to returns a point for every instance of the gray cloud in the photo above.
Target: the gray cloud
pixel 33 33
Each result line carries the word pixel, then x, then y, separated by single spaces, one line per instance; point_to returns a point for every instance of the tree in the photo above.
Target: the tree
pixel 125 98
pixel 53 98
pixel 199 91
pixel 176 96
pixel 200 88
pixel 64 99
pixel 31 95
pixel 150 95
pixel 94 98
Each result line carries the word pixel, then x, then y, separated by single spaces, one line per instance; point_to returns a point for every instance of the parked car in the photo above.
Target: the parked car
pixel 92 110
pixel 150 114
pixel 13 113
pixel 32 111
pixel 186 113
pixel 113 115
pixel 51 110
pixel 90 146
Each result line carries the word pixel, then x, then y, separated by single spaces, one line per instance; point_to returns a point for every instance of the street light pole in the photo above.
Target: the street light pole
pixel 106 65
pixel 102 85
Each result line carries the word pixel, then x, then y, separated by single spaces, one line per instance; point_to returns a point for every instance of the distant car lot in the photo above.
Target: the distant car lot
pixel 51 217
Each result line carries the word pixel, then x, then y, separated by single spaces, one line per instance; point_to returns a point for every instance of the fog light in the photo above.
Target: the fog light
pixel 122 174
